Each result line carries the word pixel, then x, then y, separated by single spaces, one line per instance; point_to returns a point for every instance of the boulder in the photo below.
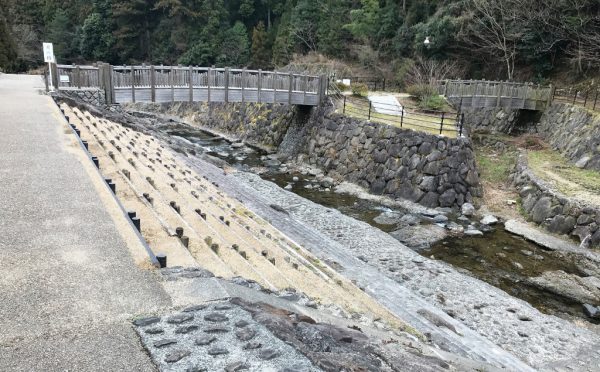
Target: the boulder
pixel 447 198
pixel 541 210
pixel 467 209
pixel 583 290
pixel 489 220
pixel 388 218
pixel 419 236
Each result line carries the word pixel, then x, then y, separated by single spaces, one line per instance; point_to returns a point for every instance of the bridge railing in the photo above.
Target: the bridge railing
pixel 481 93
pixel 78 77
pixel 149 83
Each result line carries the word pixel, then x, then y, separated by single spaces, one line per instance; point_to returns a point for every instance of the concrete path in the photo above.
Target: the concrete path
pixel 386 104
pixel 70 279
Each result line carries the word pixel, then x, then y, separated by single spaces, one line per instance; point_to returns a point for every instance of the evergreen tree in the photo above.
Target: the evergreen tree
pixel 96 39
pixel 8 51
pixel 62 36
pixel 235 47
pixel 133 23
pixel 260 51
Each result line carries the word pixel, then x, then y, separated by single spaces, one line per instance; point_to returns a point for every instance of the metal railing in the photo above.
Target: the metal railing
pixel 435 122
pixel 588 98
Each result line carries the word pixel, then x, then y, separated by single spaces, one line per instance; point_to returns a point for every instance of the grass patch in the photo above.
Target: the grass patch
pixel 495 167
pixel 544 161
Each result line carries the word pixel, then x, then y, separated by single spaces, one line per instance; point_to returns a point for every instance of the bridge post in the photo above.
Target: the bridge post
pixel 275 76
pixel 305 83
pixel 152 83
pixel 54 74
pixel 499 94
pixel 191 82
pixel 132 84
pixel 243 85
pixel 208 73
pixel 226 83
pixel 322 90
pixel 290 88
pixel 105 82
pixel 258 86
pixel 172 81
pixel 78 77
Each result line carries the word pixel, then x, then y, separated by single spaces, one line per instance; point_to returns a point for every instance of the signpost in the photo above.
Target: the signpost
pixel 49 58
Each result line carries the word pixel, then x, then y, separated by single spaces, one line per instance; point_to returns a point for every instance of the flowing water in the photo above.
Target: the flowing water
pixel 498 257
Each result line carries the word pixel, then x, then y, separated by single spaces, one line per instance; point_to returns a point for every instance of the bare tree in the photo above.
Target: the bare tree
pixel 430 71
pixel 493 27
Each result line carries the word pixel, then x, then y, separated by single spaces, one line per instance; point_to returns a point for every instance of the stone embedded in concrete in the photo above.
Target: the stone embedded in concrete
pixel 186 329
pixel 216 317
pixel 214 351
pixel 164 342
pixel 180 318
pixel 268 354
pixel 146 321
pixel 205 340
pixel 176 355
pixel 154 331
pixel 237 366
pixel 245 334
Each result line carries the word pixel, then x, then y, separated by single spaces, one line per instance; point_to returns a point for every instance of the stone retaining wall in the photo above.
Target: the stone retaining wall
pixel 490 120
pixel 430 169
pixel 92 96
pixel 554 211
pixel 574 131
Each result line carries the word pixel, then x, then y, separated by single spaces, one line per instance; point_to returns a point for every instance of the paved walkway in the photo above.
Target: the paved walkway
pixel 69 282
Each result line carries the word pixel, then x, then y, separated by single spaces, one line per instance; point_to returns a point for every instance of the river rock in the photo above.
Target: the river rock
pixel 583 290
pixel 473 232
pixel 489 220
pixel 410 219
pixel 440 218
pixel 419 236
pixel 388 218
pixel 591 311
pixel 467 209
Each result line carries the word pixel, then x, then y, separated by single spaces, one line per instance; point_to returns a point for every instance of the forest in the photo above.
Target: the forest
pixel 491 39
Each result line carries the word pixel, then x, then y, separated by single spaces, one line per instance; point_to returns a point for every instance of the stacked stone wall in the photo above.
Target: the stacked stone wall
pixel 554 211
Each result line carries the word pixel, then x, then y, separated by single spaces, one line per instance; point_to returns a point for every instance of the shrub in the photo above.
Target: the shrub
pixel 421 91
pixel 360 89
pixel 433 103
pixel 342 87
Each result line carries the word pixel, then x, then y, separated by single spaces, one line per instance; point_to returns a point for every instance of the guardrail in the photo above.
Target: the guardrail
pixel 151 83
pixel 435 122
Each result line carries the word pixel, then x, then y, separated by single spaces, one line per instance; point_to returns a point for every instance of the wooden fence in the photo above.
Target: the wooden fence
pixel 143 83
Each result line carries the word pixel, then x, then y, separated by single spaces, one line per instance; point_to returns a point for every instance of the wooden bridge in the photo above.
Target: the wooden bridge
pixel 123 84
pixel 481 93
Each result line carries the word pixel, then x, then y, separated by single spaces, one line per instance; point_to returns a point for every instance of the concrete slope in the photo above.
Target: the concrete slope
pixel 69 282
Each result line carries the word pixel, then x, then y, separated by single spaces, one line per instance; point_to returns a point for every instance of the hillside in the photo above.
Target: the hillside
pixel 511 39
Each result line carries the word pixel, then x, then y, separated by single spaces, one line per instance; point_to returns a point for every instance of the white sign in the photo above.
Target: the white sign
pixel 64 78
pixel 48 52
